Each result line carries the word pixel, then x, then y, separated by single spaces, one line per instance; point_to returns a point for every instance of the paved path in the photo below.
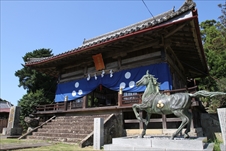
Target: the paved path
pixel 5 147
pixel 20 145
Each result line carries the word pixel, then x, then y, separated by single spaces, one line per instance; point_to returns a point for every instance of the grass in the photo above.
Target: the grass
pixel 217 145
pixel 56 146
pixel 59 147
pixel 16 141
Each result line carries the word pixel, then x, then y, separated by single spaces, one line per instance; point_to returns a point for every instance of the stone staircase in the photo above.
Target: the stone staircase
pixel 71 129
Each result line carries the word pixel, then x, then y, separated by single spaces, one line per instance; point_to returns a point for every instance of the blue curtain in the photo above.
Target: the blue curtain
pixel 125 79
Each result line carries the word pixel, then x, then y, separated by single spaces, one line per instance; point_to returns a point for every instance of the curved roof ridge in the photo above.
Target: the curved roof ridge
pixel 127 27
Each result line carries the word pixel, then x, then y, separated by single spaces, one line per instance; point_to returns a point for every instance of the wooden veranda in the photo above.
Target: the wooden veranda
pixel 124 104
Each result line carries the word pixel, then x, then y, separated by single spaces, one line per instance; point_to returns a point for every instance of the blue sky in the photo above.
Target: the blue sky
pixel 62 25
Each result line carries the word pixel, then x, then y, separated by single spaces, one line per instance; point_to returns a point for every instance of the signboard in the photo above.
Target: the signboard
pixel 99 63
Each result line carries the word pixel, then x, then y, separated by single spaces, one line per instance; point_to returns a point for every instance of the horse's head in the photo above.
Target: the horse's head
pixel 147 79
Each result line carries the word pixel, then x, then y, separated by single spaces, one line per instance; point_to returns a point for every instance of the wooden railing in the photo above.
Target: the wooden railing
pixel 123 101
pixel 50 107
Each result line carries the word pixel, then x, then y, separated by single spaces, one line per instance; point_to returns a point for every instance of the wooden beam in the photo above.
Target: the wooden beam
pixel 175 30
pixel 140 63
pixel 172 64
pixel 138 47
pixel 120 53
pixel 142 57
pixel 72 78
pixel 78 72
pixel 175 57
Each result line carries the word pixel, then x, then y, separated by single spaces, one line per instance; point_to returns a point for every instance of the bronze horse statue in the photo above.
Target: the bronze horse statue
pixel 155 102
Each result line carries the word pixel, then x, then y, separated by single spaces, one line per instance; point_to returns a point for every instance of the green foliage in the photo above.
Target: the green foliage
pixel 30 79
pixel 217 145
pixel 40 87
pixel 29 102
pixel 213 35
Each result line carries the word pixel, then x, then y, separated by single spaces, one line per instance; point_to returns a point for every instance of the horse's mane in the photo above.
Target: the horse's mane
pixel 156 83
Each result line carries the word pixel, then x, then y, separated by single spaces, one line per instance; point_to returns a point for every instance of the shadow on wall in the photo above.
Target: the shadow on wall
pixel 113 128
pixel 210 125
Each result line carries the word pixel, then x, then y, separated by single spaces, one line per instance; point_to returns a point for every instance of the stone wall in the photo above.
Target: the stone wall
pixel 113 128
pixel 210 125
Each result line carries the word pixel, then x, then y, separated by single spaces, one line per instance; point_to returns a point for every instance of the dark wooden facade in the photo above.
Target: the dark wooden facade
pixel 172 37
pixel 4 114
pixel 124 105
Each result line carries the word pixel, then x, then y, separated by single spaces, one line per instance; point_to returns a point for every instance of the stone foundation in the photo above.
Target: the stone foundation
pixel 159 143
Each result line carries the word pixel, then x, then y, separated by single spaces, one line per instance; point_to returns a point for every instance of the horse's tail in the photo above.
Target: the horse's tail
pixel 206 93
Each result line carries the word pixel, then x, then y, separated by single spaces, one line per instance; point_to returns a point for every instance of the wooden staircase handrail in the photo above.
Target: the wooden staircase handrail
pixel 36 127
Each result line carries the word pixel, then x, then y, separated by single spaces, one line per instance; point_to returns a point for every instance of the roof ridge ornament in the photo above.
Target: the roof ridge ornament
pixel 189 1
pixel 188 4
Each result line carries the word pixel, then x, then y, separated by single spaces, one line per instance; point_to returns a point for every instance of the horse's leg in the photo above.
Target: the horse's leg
pixel 145 124
pixel 185 120
pixel 135 106
pixel 189 115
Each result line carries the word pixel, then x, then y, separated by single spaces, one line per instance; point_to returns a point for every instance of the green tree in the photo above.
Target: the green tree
pixel 40 87
pixel 29 102
pixel 32 80
pixel 214 43
pixel 223 16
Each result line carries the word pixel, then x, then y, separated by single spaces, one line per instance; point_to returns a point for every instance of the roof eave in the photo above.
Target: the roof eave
pixel 79 50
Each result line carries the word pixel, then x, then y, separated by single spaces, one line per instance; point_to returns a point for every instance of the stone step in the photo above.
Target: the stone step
pixel 70 122
pixel 74 131
pixel 86 126
pixel 61 139
pixel 66 135
pixel 67 128
pixel 81 117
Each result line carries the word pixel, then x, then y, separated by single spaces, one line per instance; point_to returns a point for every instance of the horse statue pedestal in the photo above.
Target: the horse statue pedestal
pixel 195 132
pixel 159 143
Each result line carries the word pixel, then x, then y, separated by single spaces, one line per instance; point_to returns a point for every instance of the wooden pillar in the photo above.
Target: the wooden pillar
pixel 71 105
pixel 164 126
pixel 192 121
pixel 57 106
pixel 84 102
pixel 120 97
pixel 65 103
pixel 141 126
pixel 140 98
pixel 164 119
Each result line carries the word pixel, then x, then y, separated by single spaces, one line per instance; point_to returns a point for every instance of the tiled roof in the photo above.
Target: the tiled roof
pixel 5 106
pixel 157 20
